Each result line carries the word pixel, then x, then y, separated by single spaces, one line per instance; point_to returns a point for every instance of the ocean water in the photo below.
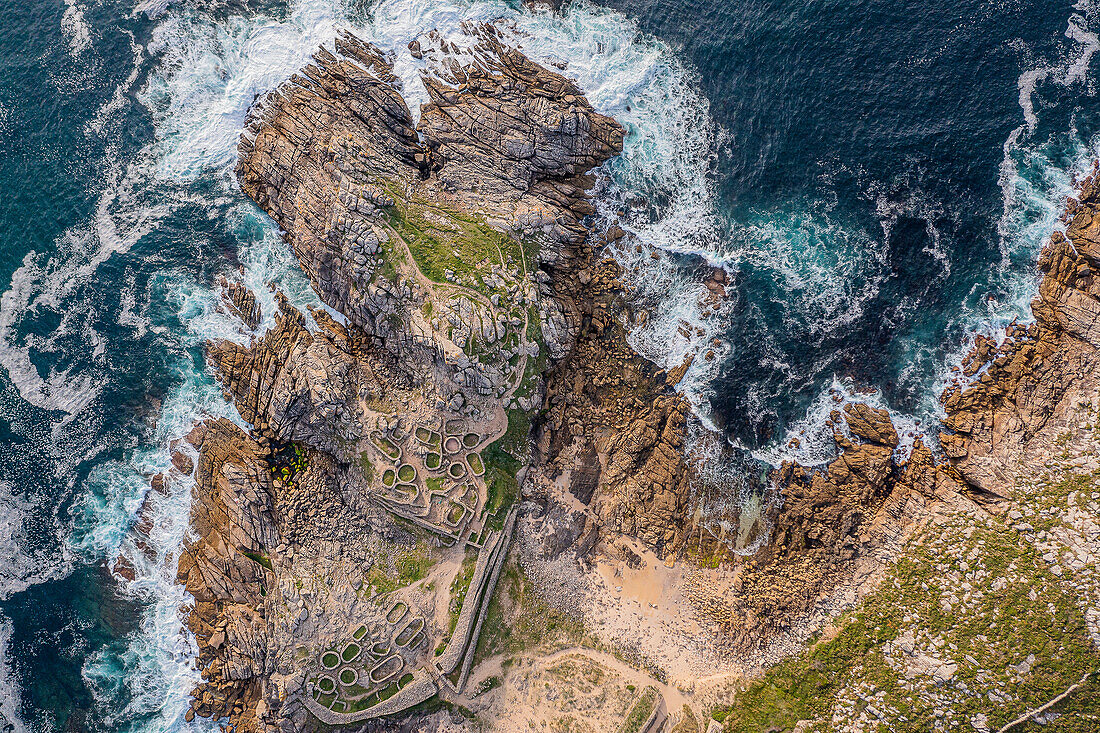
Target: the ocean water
pixel 876 176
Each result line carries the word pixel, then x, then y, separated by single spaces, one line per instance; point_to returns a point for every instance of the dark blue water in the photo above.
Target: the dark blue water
pixel 864 170
pixel 871 135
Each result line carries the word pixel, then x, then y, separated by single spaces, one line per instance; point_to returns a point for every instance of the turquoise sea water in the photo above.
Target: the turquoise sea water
pixel 876 176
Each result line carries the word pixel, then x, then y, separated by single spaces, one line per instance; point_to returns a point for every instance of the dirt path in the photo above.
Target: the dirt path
pixel 675 699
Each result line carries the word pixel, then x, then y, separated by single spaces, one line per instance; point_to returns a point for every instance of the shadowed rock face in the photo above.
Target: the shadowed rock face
pixel 513 141
pixel 502 137
pixel 232 515
pixel 335 157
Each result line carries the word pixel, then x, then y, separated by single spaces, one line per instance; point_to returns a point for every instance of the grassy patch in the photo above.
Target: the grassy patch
pixel 688 722
pixel 502 461
pixel 1011 607
pixel 441 239
pixel 459 586
pixel 258 557
pixel 366 466
pixel 408 568
pixel 517 619
pixel 351 651
pixel 641 711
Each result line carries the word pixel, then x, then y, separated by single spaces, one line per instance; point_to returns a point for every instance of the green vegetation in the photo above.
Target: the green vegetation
pixel 433 461
pixel 287 462
pixel 413 566
pixel 366 466
pixel 325 684
pixel 502 461
pixel 441 239
pixel 515 438
pixel 351 651
pixel 405 679
pixel 435 485
pixel 391 257
pixel 347 676
pixel 537 365
pixel 688 722
pixel 459 586
pixel 641 711
pixel 389 478
pixel 371 700
pixel 489 683
pixel 475 464
pixel 359 633
pixel 408 633
pixel 406 473
pixel 470 439
pixel 408 568
pixel 386 446
pixel 258 557
pixel 517 619
pixel 455 513
pixel 1028 611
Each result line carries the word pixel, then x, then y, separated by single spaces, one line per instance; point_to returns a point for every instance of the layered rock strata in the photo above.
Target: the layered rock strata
pixel 472 355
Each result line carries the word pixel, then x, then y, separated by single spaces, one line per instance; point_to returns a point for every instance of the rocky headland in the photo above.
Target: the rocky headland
pixel 349 543
pixel 462 501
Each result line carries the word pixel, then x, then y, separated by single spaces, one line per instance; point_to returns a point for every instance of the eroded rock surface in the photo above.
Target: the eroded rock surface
pixel 473 375
pixel 1007 415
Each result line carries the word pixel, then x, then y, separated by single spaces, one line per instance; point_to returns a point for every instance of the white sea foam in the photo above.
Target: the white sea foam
pixel 109 109
pixel 75 28
pixel 53 284
pixel 28 561
pixel 155 671
pixel 659 190
pixel 726 503
pixel 209 75
pixel 10 689
pixel 1036 176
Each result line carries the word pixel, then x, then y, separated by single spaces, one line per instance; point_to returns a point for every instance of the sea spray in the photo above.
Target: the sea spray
pixel 207 72
pixel 10 717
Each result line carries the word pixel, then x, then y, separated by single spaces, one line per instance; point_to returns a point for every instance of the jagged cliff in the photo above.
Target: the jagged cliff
pixel 1023 391
pixel 968 574
pixel 1009 411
